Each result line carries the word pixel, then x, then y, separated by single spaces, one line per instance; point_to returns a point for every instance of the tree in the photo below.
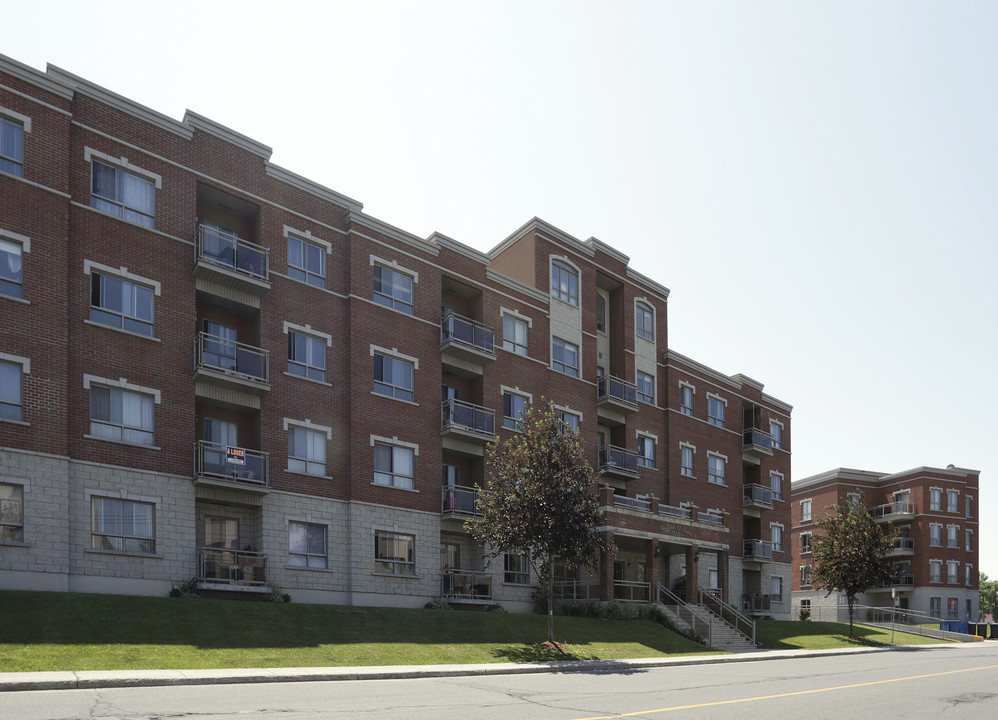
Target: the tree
pixel 988 595
pixel 850 552
pixel 541 500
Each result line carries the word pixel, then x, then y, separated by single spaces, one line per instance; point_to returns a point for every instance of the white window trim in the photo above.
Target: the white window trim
pixel 783 535
pixel 90 154
pixel 654 388
pixel 122 272
pixel 503 389
pixel 23 240
pixel 940 508
pixel 307 236
pixel 578 357
pixel 936 561
pixel 654 439
pixel 710 454
pixel 720 399
pixel 24 120
pixel 968 535
pixel 693 448
pixel 519 316
pixel 578 277
pixel 396 530
pixel 288 423
pixel 782 480
pixel 123 384
pixel 940 526
pixel 24 362
pixel 567 409
pixel 414 361
pixel 309 520
pixel 654 320
pixel 375 439
pixel 809 551
pixel 394 265
pixel 308 330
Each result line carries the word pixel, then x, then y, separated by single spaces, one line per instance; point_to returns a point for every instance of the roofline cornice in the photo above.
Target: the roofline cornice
pixel 312 187
pixel 363 219
pixel 35 77
pixel 200 122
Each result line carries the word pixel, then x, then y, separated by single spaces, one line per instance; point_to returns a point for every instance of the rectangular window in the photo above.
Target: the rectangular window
pixel 952 501
pixel 646 451
pixel 952 571
pixel 716 466
pixel 776 535
pixel 565 357
pixel 564 283
pixel 11 147
pixel 515 568
pixel 776 484
pixel 952 608
pixel 394 553
pixel 121 304
pixel 569 421
pixel 970 506
pixel 935 571
pixel 644 321
pixel 935 607
pixel 123 525
pixel 935 499
pixel 712 579
pixel 776 588
pixel 117 192
pixel 11 393
pixel 686 399
pixel 805 543
pixel 715 411
pixel 776 430
pixel 393 377
pixel 121 415
pixel 805 511
pixel 935 535
pixel 952 536
pixel 646 387
pixel 805 605
pixel 306 262
pixel 969 573
pixel 600 313
pixel 393 289
pixel 11 269
pixel 514 334
pixel 306 451
pixel 306 356
pixel 393 465
pixel 853 499
pixel 307 545
pixel 805 576
pixel 11 513
pixel 686 460
pixel 970 540
pixel 514 407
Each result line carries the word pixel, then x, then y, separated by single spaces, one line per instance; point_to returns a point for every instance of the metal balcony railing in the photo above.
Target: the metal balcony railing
pixel 680 512
pixel 460 415
pixel 710 518
pixel 230 463
pixel 576 590
pixel 459 500
pixel 466 585
pixel 757 550
pixel 904 544
pixel 618 460
pixel 457 328
pixel 755 439
pixel 636 503
pixel 227 250
pixel 612 388
pixel 753 494
pixel 233 358
pixel 631 591
pixel 231 567
pixel 892 508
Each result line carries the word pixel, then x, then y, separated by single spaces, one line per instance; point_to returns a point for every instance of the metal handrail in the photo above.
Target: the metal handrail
pixel 231 462
pixel 619 458
pixel 609 387
pixel 892 508
pixel 465 416
pixel 754 493
pixel 231 252
pixel 704 626
pixel 682 512
pixel 459 499
pixel 231 357
pixel 470 584
pixel 467 332
pixel 232 567
pixel 636 503
pixel 708 596
pixel 630 588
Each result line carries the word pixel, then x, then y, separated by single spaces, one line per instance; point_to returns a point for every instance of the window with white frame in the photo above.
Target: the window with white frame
pixel 646 450
pixel 805 576
pixel 13 247
pixel 306 354
pixel 776 430
pixel 716 468
pixel 516 570
pixel 394 375
pixel 970 506
pixel 564 282
pixel 11 512
pixel 394 553
pixel 935 498
pixel 805 606
pixel 515 333
pixel 514 407
pixel 393 288
pixel 393 463
pixel 952 501
pixel 712 579
pixel 935 571
pixel 122 525
pixel 715 410
pixel 805 543
pixel 805 511
pixel 306 261
pixel 776 588
pixel 644 321
pixel 123 193
pixel 686 453
pixel 952 536
pixel 12 128
pixel 952 571
pixel 565 357
pixel 852 499
pixel 121 414
pixel 686 399
pixel 776 536
pixel 307 545
pixel 969 540
pixel 776 484
pixel 952 608
pixel 969 574
pixel 600 314
pixel 569 420
pixel 307 447
pixel 12 371
pixel 121 302
pixel 645 387
pixel 935 534
pixel 936 607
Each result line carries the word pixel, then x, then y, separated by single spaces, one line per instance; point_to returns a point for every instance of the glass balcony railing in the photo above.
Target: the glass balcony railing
pixel 231 357
pixel 755 439
pixel 636 503
pixel 227 462
pixel 459 415
pixel 710 518
pixel 612 389
pixel 466 585
pixel 459 500
pixel 465 331
pixel 757 550
pixel 227 250
pixel 680 512
pixel 618 460
pixel 892 508
pixel 231 567
pixel 753 494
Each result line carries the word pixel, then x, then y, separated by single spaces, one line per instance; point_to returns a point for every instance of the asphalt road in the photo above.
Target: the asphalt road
pixel 955 681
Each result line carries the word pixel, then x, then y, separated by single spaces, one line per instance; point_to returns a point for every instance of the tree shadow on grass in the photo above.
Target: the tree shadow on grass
pixel 570 662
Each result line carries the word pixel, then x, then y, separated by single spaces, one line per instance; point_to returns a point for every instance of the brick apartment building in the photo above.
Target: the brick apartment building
pixel 212 367
pixel 935 512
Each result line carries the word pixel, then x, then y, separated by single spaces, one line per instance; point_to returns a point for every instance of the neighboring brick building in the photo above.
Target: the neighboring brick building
pixel 215 368
pixel 935 512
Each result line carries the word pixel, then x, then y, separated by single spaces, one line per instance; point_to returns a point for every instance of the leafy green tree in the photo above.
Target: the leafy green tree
pixel 988 595
pixel 541 500
pixel 850 552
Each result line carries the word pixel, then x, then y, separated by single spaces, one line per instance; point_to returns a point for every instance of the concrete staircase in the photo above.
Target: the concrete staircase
pixel 722 635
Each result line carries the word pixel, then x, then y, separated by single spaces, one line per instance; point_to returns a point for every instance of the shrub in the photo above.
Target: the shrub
pixel 187 588
pixel 805 614
pixel 437 605
pixel 496 608
pixel 276 594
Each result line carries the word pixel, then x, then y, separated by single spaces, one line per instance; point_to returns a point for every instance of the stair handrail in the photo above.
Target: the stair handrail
pixel 694 613
pixel 708 596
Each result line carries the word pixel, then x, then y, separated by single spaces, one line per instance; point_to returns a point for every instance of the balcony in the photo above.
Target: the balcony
pixel 619 462
pixel 465 585
pixel 710 518
pixel 458 501
pixel 902 546
pixel 466 428
pixel 893 511
pixel 901 580
pixel 635 503
pixel 631 591
pixel 756 603
pixel 238 570
pixel 755 444
pixel 466 345
pixel 229 267
pixel 757 496
pixel 615 399
pixel 229 371
pixel 680 512
pixel 758 550
pixel 230 467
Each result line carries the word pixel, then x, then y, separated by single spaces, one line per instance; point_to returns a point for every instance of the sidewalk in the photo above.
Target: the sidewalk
pixel 90 679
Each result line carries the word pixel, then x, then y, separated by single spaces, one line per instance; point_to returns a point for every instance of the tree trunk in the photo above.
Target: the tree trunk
pixel 551 604
pixel 852 601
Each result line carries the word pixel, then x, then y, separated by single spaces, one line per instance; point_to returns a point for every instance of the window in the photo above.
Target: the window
pixel 776 535
pixel 805 606
pixel 686 399
pixel 952 608
pixel 564 282
pixel 565 357
pixel 514 334
pixel 712 579
pixel 935 534
pixel 776 484
pixel 122 525
pixel 715 410
pixel 853 499
pixel 514 407
pixel 969 574
pixel 644 321
pixel 686 460
pixel 122 415
pixel 306 356
pixel 776 587
pixel 805 511
pixel 11 394
pixel 307 545
pixel 805 543
pixel 935 498
pixel 952 536
pixel 715 468
pixel 124 194
pixel 393 377
pixel 515 569
pixel 306 262
pixel 776 430
pixel 935 606
pixel 805 576
pixel 11 513
pixel 970 506
pixel 121 304
pixel 952 501
pixel 393 289
pixel 646 451
pixel 970 540
pixel 935 571
pixel 394 553
pixel 12 265
pixel 11 146
pixel 600 313
pixel 306 451
pixel 952 571
pixel 569 421
pixel 393 465
pixel 646 387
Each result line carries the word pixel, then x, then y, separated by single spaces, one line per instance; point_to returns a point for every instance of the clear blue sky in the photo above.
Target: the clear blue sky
pixel 817 183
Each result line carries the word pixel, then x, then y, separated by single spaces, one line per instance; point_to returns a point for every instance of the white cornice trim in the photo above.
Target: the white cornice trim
pixel 200 122
pixel 538 225
pixel 735 381
pixel 600 246
pixel 373 223
pixel 312 187
pixel 634 275
pixel 443 241
pixel 535 294
pixel 30 75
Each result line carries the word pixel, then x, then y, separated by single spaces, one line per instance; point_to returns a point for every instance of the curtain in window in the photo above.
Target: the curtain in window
pixel 10 260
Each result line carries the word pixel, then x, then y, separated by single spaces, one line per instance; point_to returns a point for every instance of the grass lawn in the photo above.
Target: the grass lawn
pixel 778 635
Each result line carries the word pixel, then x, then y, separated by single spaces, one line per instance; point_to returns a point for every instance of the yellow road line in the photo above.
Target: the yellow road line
pixel 789 694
